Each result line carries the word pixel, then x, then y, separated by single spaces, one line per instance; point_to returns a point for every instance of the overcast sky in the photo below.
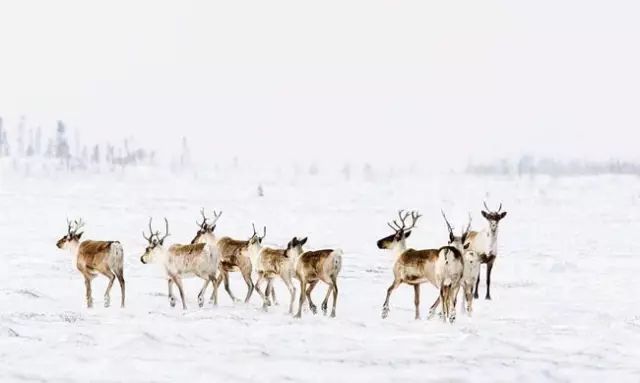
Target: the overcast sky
pixel 349 79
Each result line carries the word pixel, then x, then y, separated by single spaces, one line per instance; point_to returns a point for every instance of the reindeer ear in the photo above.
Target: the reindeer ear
pixel 485 214
pixel 407 234
pixel 212 228
pixel 78 235
pixel 503 214
pixel 302 241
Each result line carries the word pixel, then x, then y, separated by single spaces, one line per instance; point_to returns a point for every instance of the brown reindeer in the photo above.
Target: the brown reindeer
pixel 92 257
pixel 272 263
pixel 236 256
pixel 319 265
pixel 415 267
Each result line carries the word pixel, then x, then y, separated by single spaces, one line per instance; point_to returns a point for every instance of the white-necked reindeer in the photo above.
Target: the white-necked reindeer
pixel 318 265
pixel 279 262
pixel 182 261
pixel 206 234
pixel 92 257
pixel 235 255
pixel 441 267
pixel 471 262
pixel 485 244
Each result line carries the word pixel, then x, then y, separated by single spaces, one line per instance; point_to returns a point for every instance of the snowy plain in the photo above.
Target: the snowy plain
pixel 564 308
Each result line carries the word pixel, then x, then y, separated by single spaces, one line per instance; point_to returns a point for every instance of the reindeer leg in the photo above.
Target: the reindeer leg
pixel 273 296
pixel 416 299
pixel 107 293
pixel 214 295
pixel 433 308
pixel 453 300
pixel 475 292
pixel 335 296
pixel 312 306
pixel 303 295
pixel 120 276
pixel 87 287
pixel 269 289
pixel 262 295
pixel 489 268
pixel 292 291
pixel 443 299
pixel 225 278
pixel 177 280
pixel 172 299
pixel 203 290
pixel 385 306
pixel 325 302
pixel 468 295
pixel 247 279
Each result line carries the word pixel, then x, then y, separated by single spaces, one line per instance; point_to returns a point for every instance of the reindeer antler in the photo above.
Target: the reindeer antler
pixel 449 227
pixel 468 229
pixel 204 219
pixel 150 237
pixel 216 217
pixel 403 217
pixel 166 231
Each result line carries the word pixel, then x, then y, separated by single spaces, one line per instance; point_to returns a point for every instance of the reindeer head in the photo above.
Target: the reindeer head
pixel 401 230
pixel 458 241
pixel 72 236
pixel 493 217
pixel 206 229
pixel 294 247
pixel 154 242
pixel 255 241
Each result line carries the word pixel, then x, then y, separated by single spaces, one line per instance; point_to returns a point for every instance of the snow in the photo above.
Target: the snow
pixel 564 285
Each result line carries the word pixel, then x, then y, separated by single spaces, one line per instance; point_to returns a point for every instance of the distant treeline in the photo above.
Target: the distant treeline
pixel 530 165
pixel 28 144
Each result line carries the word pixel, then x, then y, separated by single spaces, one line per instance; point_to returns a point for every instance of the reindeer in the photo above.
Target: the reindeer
pixel 440 267
pixel 485 244
pixel 180 261
pixel 279 262
pixel 319 265
pixel 471 262
pixel 235 256
pixel 206 234
pixel 92 257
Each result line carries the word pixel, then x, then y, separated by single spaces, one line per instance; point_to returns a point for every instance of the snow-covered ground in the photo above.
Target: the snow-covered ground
pixel 565 304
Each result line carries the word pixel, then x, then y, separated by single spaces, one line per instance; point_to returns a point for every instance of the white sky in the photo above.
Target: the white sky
pixel 350 79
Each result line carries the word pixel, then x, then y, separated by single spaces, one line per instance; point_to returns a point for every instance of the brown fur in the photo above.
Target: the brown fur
pixel 312 262
pixel 186 249
pixel 233 259
pixel 320 265
pixel 92 256
pixel 471 236
pixel 272 261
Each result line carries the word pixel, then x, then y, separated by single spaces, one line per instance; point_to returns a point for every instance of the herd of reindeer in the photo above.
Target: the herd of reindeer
pixel 212 258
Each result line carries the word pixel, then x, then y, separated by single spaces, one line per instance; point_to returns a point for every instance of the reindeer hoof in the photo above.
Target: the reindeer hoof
pixel 107 303
pixel 333 314
pixel 385 312
pixel 324 308
pixel 431 314
pixel 476 296
pixel 452 319
pixel 314 309
pixel 297 316
pixel 172 302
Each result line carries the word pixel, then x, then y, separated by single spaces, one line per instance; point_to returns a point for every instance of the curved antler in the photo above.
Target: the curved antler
pixel 216 217
pixel 166 230
pixel 449 227
pixel 402 226
pixel 204 219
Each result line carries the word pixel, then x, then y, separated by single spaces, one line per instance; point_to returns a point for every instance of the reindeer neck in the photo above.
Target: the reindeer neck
pixel 73 248
pixel 399 249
